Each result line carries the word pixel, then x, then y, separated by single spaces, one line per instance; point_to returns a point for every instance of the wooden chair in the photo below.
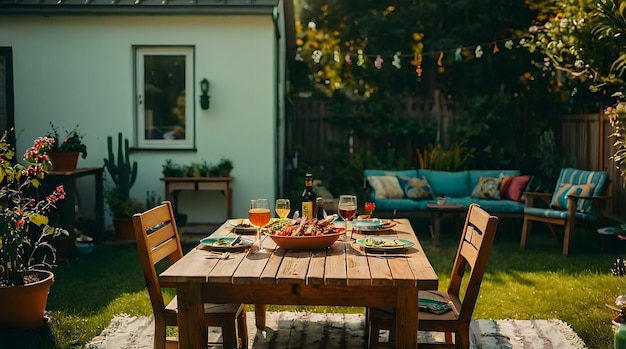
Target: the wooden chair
pixel 158 239
pixel 579 198
pixel 477 238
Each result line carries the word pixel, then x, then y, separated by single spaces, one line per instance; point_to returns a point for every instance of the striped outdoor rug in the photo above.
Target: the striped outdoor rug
pixel 314 330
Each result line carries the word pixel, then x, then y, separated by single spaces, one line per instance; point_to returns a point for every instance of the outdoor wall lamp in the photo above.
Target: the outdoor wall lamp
pixel 204 97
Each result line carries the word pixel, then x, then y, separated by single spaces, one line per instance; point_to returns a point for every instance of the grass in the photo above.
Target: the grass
pixel 536 283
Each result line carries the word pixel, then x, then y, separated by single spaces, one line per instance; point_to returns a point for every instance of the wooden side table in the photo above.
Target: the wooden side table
pixel 173 185
pixel 65 214
pixel 436 216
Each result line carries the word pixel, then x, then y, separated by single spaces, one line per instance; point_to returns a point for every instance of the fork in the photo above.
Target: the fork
pixel 218 255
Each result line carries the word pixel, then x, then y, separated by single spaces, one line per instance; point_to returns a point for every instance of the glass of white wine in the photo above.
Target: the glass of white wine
pixel 259 216
pixel 347 210
pixel 282 208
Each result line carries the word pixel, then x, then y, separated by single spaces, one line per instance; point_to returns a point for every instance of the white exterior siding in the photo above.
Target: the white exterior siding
pixel 79 69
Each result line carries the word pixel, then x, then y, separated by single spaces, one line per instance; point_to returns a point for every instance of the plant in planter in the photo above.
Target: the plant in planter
pixel 65 151
pixel 123 173
pixel 24 250
pixel 172 169
pixel 225 166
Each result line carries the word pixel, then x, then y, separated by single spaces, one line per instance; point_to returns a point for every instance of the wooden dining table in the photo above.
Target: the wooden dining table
pixel 344 274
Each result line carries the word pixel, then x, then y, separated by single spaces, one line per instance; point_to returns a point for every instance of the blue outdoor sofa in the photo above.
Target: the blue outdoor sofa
pixel 456 187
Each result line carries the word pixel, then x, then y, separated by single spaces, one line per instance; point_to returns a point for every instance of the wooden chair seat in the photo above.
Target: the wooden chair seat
pixel 476 241
pixel 157 240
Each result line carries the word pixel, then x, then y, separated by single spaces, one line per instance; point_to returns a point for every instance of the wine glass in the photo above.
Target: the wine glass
pixel 259 216
pixel 282 207
pixel 347 209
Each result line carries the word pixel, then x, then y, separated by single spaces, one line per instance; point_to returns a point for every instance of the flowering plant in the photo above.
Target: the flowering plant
pixel 23 221
pixel 73 140
pixel 616 115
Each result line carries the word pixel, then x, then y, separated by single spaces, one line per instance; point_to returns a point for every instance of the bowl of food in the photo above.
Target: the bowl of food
pixel 304 234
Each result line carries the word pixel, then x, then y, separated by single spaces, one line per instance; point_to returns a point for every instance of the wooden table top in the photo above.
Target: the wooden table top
pixel 342 264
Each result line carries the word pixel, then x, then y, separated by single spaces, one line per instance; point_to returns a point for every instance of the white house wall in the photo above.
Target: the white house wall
pixel 79 70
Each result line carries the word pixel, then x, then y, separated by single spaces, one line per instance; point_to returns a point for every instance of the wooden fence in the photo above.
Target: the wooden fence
pixel 313 131
pixel 585 137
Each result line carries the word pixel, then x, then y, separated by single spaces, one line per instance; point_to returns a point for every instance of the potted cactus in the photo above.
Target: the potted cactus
pixel 123 173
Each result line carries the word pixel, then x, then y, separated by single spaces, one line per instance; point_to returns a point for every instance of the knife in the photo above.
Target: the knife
pixel 236 241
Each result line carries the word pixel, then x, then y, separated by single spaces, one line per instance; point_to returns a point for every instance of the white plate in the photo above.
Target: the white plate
pixel 237 223
pixel 223 243
pixel 369 223
pixel 380 242
pixel 387 226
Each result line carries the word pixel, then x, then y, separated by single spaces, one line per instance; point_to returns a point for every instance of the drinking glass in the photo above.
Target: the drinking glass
pixel 347 210
pixel 282 207
pixel 259 216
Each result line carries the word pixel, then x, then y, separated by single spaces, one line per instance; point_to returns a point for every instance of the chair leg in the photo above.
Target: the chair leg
pixel 242 328
pixel 461 338
pixel 527 225
pixel 159 334
pixel 567 238
pixel 229 335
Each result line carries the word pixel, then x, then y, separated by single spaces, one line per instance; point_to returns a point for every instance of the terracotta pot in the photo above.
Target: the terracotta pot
pixel 64 160
pixel 23 307
pixel 124 228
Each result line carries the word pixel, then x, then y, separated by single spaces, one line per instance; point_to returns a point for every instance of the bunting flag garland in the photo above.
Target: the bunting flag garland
pixel 396 60
pixel 459 54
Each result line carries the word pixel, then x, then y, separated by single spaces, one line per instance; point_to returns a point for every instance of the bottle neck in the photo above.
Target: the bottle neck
pixel 309 183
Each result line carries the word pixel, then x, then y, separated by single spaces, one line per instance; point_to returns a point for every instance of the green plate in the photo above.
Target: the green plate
pixel 225 242
pixel 384 244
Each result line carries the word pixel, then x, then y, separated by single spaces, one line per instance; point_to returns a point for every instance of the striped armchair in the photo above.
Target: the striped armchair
pixel 578 198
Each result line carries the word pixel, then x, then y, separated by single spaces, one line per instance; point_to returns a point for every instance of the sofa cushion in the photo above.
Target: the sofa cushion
pixel 487 188
pixel 386 187
pixel 515 189
pixel 445 183
pixel 476 174
pixel 559 198
pixel 415 188
pixel 405 173
pixel 505 180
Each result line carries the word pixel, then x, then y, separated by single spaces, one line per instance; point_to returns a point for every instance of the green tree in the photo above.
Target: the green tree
pixel 501 94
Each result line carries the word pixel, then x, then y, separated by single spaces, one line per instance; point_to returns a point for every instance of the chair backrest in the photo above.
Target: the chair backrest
pixel 575 176
pixel 157 239
pixel 477 238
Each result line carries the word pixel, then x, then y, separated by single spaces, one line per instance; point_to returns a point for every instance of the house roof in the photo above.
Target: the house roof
pixel 49 7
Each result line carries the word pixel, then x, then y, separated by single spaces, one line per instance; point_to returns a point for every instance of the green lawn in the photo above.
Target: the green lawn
pixel 537 283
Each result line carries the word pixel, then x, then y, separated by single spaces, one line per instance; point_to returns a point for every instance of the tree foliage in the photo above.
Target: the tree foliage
pixel 504 98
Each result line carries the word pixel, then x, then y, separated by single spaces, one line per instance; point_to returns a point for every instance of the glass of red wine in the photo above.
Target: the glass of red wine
pixel 347 209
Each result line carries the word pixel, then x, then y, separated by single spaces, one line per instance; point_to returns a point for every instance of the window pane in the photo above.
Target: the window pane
pixel 164 96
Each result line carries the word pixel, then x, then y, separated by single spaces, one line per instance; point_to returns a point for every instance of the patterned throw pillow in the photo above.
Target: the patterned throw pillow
pixel 416 188
pixel 487 188
pixel 386 187
pixel 559 198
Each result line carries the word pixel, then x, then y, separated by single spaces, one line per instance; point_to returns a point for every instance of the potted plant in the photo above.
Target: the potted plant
pixel 64 152
pixel 172 169
pixel 25 253
pixel 123 173
pixel 225 166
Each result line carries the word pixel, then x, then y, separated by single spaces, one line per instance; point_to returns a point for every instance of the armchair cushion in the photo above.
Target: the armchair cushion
pixel 559 199
pixel 584 218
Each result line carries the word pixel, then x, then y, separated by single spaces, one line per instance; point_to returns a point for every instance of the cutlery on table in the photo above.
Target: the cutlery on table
pixel 218 255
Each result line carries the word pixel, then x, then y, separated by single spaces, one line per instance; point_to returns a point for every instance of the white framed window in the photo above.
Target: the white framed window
pixel 164 86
